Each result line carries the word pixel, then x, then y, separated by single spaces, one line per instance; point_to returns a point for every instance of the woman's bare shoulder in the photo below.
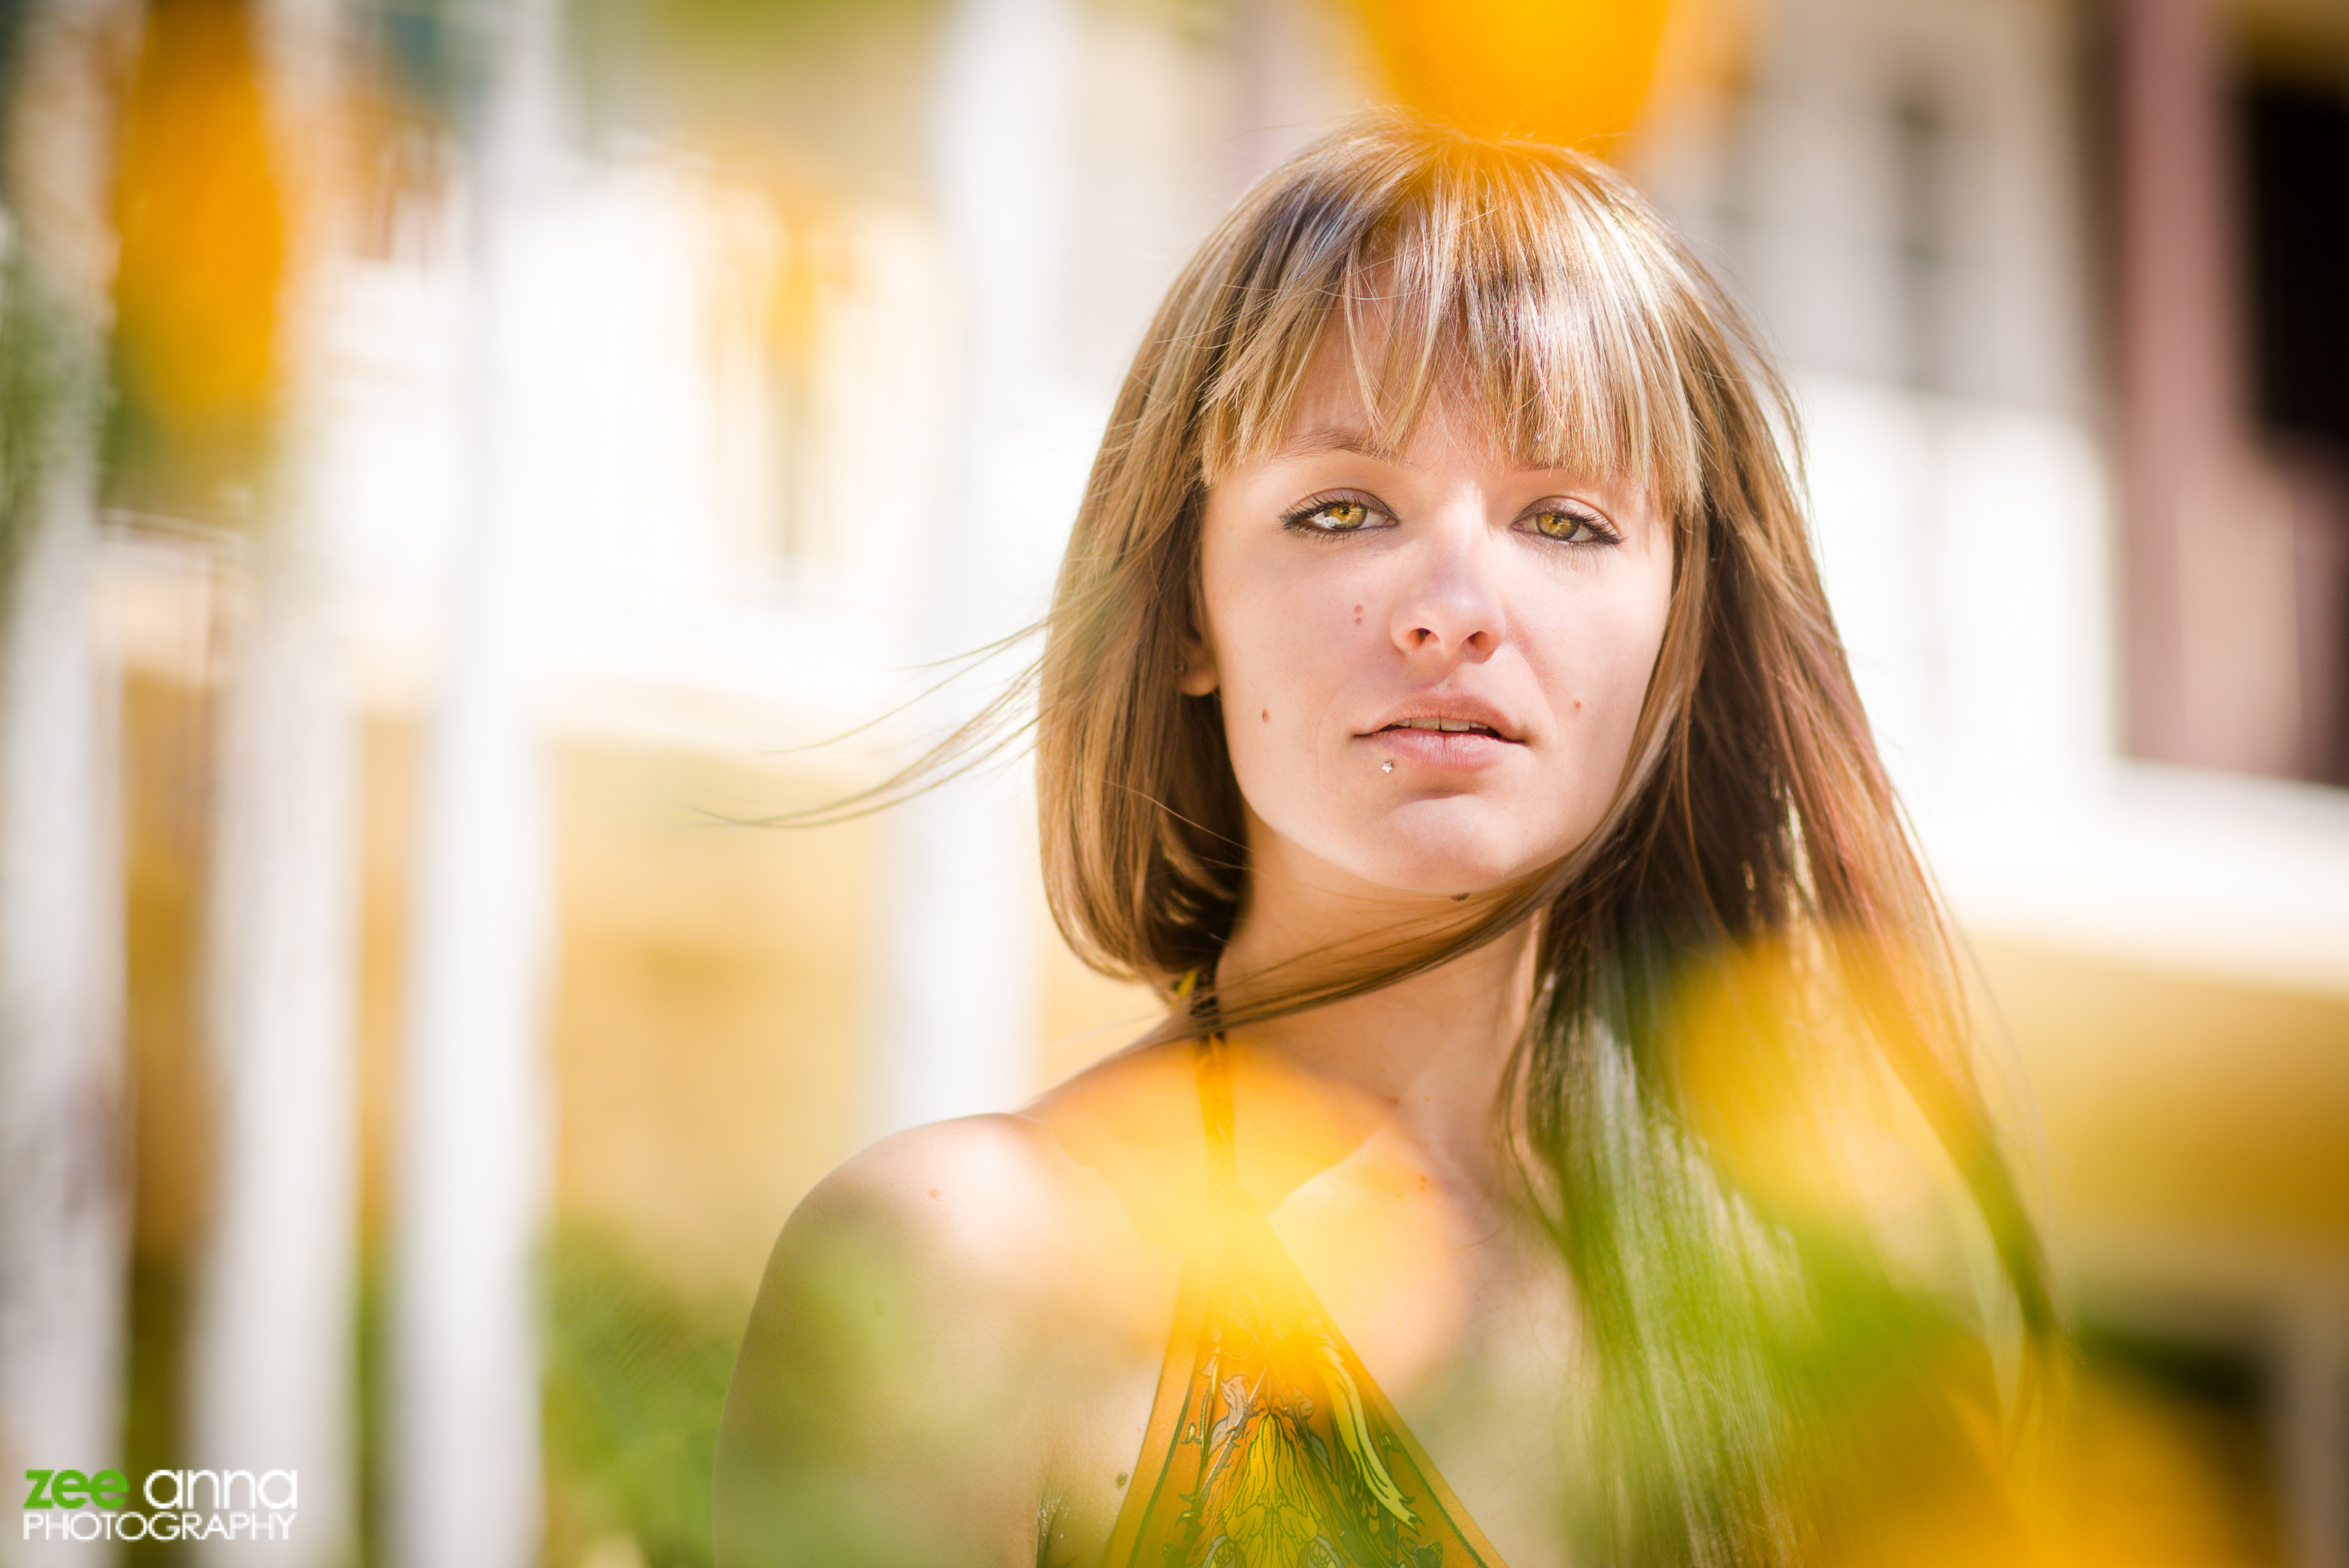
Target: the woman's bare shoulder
pixel 1013 1196
pixel 1003 1193
pixel 884 1407
pixel 964 1220
pixel 975 1186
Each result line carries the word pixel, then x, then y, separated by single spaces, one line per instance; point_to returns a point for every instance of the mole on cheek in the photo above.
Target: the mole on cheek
pixel 1358 615
pixel 1266 715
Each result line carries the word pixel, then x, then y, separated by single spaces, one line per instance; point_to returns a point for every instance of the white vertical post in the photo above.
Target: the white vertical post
pixel 958 966
pixel 270 1356
pixel 64 1204
pixel 63 1198
pixel 473 1120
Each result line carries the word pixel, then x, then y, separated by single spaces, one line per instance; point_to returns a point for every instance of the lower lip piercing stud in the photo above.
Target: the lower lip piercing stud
pixel 1388 766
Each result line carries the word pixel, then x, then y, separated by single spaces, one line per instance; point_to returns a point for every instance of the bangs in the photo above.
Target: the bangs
pixel 1514 281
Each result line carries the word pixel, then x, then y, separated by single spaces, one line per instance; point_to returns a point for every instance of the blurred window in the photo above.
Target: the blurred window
pixel 2296 161
pixel 2226 165
pixel 1924 147
pixel 2293 144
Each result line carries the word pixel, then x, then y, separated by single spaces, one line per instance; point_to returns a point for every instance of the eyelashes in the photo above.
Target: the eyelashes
pixel 1571 525
pixel 1334 514
pixel 1337 514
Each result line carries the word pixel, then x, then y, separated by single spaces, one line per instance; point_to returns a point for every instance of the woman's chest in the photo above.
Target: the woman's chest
pixel 1467 1328
pixel 1316 1380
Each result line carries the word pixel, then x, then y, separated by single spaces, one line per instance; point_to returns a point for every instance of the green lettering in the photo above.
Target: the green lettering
pixel 70 1489
pixel 110 1489
pixel 39 1496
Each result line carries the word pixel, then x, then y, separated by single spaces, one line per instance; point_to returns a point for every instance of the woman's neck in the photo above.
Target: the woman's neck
pixel 1430 1052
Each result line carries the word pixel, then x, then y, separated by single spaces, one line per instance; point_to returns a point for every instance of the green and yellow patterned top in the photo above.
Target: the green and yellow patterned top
pixel 1269 1445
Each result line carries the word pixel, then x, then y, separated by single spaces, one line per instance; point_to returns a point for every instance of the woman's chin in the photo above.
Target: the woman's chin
pixel 1448 851
pixel 1446 873
pixel 1433 849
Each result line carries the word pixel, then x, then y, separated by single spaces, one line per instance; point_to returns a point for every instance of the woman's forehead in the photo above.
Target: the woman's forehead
pixel 1343 406
pixel 1571 374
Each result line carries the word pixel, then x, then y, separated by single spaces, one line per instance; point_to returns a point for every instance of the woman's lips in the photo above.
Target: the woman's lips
pixel 1452 749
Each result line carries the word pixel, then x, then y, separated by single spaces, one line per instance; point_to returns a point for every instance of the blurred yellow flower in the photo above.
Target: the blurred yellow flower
pixel 1571 71
pixel 201 216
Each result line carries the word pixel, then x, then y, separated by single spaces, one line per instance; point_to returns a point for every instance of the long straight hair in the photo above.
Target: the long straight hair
pixel 1753 854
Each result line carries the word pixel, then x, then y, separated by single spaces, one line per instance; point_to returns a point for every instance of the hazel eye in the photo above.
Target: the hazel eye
pixel 1337 516
pixel 1571 527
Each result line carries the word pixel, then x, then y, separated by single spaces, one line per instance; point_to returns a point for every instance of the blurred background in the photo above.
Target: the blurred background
pixel 464 462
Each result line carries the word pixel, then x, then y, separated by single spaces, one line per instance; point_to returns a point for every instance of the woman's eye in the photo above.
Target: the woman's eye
pixel 1573 527
pixel 1334 517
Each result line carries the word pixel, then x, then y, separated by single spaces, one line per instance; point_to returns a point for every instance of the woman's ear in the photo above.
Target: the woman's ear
pixel 1195 669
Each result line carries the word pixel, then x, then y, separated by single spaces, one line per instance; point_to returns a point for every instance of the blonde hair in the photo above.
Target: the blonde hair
pixel 1753 815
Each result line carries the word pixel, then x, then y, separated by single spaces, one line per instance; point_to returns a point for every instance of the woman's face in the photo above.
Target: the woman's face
pixel 1432 666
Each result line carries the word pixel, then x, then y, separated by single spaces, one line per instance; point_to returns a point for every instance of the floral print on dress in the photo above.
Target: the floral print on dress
pixel 1269 1445
pixel 1290 1472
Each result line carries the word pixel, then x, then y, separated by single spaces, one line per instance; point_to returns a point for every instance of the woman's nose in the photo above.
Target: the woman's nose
pixel 1453 605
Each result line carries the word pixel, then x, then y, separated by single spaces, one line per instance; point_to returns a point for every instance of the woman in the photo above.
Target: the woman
pixel 1440 707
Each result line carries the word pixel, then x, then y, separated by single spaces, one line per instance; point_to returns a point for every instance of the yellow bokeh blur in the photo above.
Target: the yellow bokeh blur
pixel 200 211
pixel 1576 72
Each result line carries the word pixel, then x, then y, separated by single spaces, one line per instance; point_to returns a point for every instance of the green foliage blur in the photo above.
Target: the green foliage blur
pixel 636 1377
